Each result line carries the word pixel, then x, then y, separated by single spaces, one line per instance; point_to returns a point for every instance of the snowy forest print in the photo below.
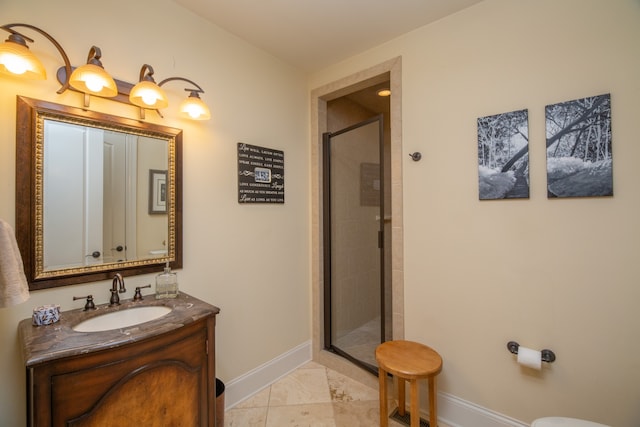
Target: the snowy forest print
pixel 503 156
pixel 579 161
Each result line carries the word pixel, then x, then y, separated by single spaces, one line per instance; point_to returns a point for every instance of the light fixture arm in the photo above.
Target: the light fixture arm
pixel 199 90
pixel 94 56
pixel 65 58
pixel 146 73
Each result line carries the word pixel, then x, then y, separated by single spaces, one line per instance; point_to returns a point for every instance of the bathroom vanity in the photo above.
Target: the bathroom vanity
pixel 156 373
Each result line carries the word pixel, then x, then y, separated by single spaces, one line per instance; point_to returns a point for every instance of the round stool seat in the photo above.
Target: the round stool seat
pixel 408 361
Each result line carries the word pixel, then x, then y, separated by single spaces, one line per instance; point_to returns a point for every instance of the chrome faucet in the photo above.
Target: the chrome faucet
pixel 117 286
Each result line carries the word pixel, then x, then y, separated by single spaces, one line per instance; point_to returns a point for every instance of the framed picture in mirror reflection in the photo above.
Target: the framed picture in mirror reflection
pixel 157 191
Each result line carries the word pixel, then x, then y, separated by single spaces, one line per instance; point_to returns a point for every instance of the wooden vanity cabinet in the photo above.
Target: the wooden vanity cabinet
pixel 164 380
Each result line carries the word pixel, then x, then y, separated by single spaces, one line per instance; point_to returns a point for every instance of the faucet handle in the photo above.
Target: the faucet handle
pixel 138 295
pixel 115 299
pixel 89 304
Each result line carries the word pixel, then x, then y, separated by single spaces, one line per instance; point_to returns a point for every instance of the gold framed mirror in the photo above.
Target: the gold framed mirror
pixel 96 194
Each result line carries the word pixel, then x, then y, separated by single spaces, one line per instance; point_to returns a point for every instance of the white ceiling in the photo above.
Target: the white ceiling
pixel 312 34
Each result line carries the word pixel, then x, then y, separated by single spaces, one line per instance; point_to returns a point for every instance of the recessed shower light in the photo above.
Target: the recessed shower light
pixel 384 92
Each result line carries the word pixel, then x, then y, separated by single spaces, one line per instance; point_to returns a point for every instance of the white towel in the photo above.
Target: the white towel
pixel 14 288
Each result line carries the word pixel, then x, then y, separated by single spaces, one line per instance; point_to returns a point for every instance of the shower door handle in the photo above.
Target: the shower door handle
pixel 380 239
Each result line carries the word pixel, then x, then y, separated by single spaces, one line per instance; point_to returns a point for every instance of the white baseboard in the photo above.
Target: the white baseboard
pixel 456 412
pixel 245 386
pixel 452 410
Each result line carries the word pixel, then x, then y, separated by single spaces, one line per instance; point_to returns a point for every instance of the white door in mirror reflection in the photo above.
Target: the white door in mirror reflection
pixel 119 210
pixel 85 176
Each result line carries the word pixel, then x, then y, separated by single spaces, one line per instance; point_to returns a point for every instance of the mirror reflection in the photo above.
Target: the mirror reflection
pixel 95 194
pixel 95 185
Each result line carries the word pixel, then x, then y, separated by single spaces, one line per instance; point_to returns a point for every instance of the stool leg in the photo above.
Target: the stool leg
pixel 415 409
pixel 384 417
pixel 433 403
pixel 401 396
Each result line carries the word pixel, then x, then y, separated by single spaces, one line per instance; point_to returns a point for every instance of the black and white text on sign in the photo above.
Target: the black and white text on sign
pixel 260 174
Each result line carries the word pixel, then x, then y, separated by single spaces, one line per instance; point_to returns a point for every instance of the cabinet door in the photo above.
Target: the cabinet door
pixel 150 386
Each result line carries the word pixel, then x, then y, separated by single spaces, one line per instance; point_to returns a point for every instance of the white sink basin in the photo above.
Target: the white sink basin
pixel 121 319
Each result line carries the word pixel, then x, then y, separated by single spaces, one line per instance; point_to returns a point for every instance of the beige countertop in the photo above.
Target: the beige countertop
pixel 41 344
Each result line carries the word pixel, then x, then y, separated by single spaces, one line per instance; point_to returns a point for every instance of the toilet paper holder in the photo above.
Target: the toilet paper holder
pixel 546 355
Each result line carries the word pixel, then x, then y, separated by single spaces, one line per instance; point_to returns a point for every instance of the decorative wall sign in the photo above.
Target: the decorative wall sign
pixel 579 160
pixel 503 156
pixel 157 191
pixel 260 174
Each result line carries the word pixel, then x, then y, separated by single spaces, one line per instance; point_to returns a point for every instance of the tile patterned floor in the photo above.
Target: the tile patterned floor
pixel 361 343
pixel 311 396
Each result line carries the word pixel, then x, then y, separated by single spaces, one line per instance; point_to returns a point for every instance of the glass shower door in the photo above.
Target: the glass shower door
pixel 353 224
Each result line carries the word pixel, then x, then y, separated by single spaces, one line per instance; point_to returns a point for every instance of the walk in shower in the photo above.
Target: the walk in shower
pixel 357 300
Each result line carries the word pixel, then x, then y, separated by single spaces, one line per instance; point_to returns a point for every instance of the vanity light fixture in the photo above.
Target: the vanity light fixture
pixel 92 79
pixel 193 107
pixel 16 59
pixel 149 95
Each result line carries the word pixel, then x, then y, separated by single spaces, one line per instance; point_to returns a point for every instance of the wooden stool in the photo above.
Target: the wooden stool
pixel 408 361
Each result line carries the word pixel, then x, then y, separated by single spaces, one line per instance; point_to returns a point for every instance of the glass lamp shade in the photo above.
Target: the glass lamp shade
pixel 94 80
pixel 194 108
pixel 16 59
pixel 147 94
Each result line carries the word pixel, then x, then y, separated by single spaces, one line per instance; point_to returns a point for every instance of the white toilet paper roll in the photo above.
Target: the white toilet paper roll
pixel 529 358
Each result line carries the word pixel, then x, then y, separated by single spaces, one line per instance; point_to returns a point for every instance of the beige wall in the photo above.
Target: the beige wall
pixel 262 288
pixel 559 274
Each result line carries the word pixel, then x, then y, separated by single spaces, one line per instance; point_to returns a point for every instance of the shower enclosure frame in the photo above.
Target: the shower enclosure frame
pixel 329 343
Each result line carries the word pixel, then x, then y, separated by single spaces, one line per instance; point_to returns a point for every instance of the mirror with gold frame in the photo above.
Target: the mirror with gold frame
pixel 96 194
